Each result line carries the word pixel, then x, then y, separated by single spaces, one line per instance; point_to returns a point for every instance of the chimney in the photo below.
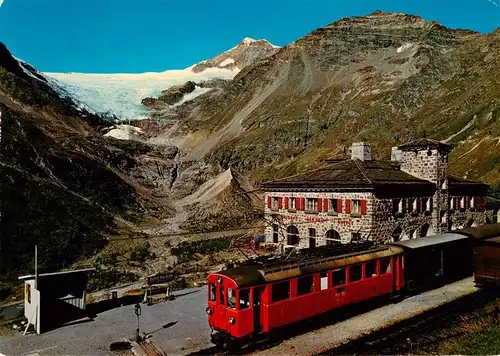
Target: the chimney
pixel 396 154
pixel 361 151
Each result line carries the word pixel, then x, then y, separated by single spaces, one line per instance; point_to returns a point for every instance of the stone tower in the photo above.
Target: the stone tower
pixel 428 159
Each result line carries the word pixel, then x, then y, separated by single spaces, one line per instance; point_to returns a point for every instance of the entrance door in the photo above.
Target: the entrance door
pixel 312 242
pixel 257 299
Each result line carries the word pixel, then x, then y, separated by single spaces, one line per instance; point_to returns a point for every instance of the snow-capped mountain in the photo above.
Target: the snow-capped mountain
pixel 121 94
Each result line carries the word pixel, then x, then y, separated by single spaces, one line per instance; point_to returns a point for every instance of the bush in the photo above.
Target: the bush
pixel 187 250
pixel 104 278
pixel 141 254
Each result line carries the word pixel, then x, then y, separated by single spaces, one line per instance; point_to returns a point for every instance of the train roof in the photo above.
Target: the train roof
pixel 250 275
pixel 430 240
pixel 480 232
pixel 495 241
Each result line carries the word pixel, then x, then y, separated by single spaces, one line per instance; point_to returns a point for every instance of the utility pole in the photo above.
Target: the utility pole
pixel 36 266
pixel 138 313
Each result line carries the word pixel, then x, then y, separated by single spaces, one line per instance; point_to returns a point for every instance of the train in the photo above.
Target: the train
pixel 254 299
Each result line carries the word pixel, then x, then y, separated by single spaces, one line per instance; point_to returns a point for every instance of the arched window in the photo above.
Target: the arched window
pixel 292 234
pixel 333 237
pixel 396 234
pixel 469 223
pixel 424 230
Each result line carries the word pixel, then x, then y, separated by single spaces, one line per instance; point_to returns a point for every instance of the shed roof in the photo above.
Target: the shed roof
pixel 32 276
pixel 429 241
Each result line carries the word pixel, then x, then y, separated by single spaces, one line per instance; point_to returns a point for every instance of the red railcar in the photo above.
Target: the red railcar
pixel 248 301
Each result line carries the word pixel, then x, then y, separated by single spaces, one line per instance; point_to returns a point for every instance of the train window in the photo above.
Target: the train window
pixel 305 285
pixel 324 280
pixel 385 266
pixel 244 298
pixel 338 277
pixel 355 273
pixel 211 291
pixel 231 298
pixel 371 269
pixel 280 291
pixel 221 295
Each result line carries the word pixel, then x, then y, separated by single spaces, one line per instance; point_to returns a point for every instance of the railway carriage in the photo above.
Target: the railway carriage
pixel 252 300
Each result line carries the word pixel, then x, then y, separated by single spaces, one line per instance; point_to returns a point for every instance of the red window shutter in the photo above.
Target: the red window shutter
pixel 320 205
pixel 302 203
pixel 286 203
pixel 347 206
pixel 325 204
pixel 363 207
pixel 339 205
pixel 280 202
pixel 269 201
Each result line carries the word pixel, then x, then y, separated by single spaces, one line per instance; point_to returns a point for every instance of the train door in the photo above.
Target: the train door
pixel 220 310
pixel 257 311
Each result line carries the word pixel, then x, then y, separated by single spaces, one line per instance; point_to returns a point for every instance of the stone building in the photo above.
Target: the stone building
pixel 358 198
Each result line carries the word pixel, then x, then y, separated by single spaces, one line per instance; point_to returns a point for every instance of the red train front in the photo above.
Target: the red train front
pixel 248 301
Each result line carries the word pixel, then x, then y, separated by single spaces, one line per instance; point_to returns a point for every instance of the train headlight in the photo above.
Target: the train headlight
pixel 208 310
pixel 231 320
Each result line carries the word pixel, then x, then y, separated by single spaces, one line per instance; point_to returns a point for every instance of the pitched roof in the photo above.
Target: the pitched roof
pixel 353 174
pixel 462 186
pixel 425 143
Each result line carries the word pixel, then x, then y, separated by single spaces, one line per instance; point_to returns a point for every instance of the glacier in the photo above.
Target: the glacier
pixel 121 94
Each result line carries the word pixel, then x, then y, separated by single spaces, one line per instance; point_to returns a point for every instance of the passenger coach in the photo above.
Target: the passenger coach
pixel 252 300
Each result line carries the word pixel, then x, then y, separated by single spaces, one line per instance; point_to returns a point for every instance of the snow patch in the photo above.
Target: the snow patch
pixel 248 40
pixel 196 92
pixel 125 132
pixel 404 47
pixel 226 62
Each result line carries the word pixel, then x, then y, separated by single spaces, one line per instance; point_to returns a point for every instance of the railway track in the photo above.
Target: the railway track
pixel 401 337
pixel 417 333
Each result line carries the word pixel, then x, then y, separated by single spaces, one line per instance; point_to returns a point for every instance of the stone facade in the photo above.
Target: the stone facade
pixel 417 202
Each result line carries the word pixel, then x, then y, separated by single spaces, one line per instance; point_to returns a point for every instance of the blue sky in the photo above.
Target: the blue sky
pixel 133 36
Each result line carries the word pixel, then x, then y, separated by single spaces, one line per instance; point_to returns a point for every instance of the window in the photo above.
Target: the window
pixel 355 273
pixel 293 203
pixel 231 298
pixel 312 204
pixel 472 202
pixel 211 289
pixel 275 203
pixel 305 285
pixel 280 291
pixel 355 236
pixel 244 298
pixel 338 277
pixel 333 237
pixel 452 203
pixel 221 295
pixel 292 235
pixel 356 207
pixel 398 206
pixel 371 269
pixel 323 277
pixel 396 233
pixel 412 204
pixel 385 266
pixel 312 238
pixel 333 205
pixel 462 203
pixel 427 203
pixel 275 233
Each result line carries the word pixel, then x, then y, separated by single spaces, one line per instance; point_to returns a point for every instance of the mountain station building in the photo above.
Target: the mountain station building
pixel 358 198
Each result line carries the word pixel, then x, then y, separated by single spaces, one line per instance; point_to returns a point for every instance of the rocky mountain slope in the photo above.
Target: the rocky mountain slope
pixel 385 78
pixel 72 188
